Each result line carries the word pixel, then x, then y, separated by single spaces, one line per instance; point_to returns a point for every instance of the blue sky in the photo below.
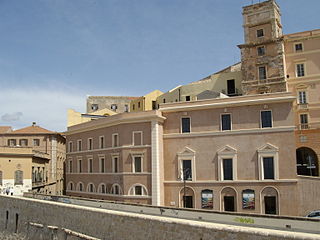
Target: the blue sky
pixel 53 53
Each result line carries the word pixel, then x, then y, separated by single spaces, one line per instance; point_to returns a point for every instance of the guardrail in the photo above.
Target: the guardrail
pixel 285 223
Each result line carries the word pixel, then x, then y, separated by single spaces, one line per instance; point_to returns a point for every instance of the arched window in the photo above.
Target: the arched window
pixel 102 188
pixel 138 190
pixel 80 187
pixel 307 162
pixel 70 186
pixel 116 189
pixel 91 187
pixel 18 177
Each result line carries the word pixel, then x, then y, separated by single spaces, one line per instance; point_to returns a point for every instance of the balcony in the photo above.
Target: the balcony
pixel 309 126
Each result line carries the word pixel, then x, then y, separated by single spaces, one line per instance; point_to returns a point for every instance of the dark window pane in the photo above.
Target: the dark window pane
pixel 185 125
pixel 225 122
pixel 227 169
pixel 266 119
pixel 187 170
pixel 268 168
pixel 138 190
pixel 137 164
pixel 231 87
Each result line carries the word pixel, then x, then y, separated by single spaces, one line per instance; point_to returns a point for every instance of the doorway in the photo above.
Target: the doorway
pixel 229 203
pixel 270 204
pixel 188 202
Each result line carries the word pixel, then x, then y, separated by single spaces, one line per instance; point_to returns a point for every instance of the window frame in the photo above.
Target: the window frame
pixel 221 122
pixel 303 97
pixel 115 143
pixel 90 144
pixel 260 33
pixel 70 166
pixel 306 124
pixel 261 125
pixel 101 142
pixel 227 152
pixel 144 190
pixel 268 150
pixel 102 170
pixel 295 47
pixel 263 52
pixel 79 165
pixel 186 154
pixel 265 72
pixel 79 145
pixel 115 166
pixel 133 137
pixel 34 141
pixel 90 166
pixel 70 146
pixel 181 124
pixel 133 156
pixel 300 73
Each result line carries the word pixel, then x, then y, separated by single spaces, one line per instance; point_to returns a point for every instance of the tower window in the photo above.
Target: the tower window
pixel 261 51
pixel 260 33
pixel 262 73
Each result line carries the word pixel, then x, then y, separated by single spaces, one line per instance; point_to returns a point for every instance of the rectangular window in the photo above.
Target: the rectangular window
pixel 23 142
pixel 185 122
pixel 231 87
pixel 138 190
pixel 101 142
pixel 298 47
pixel 137 164
pixel 302 97
pixel 70 166
pixel 36 142
pixel 70 147
pixel 115 140
pixel 187 170
pixel 12 142
pixel 102 165
pixel 261 51
pixel 225 122
pixel 260 33
pixel 268 168
pixel 304 121
pixel 300 70
pixel 137 138
pixel 126 108
pixel 262 73
pixel 79 145
pixel 187 98
pixel 90 165
pixel 90 144
pixel 79 166
pixel 115 164
pixel 154 105
pixel 266 119
pixel 227 169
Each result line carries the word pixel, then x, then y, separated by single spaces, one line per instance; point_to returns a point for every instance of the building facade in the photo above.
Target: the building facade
pixel 32 159
pixel 118 104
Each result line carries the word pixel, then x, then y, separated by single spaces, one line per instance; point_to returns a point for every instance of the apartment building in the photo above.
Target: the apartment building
pixel 32 159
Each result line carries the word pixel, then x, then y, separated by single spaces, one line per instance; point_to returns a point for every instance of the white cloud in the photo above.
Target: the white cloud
pixel 45 106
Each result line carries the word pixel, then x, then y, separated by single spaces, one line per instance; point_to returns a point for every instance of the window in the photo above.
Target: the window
pixel 101 142
pixel 268 168
pixel 79 166
pixel 90 144
pixel 231 87
pixel 115 189
pixel 304 121
pixel 139 105
pixel 185 125
pixel 262 73
pixel 137 138
pixel 80 187
pixel 154 105
pixel 302 97
pixel 300 70
pixel 114 107
pixel 187 98
pixel 115 164
pixel 227 169
pixel 23 142
pixel 164 100
pixel 91 188
pixel 260 33
pixel 70 147
pixel 138 190
pixel 36 142
pixel 79 145
pixel 90 165
pixel 137 164
pixel 115 140
pixel 12 142
pixel 70 186
pixel 126 108
pixel 187 170
pixel 261 51
pixel 103 188
pixel 94 107
pixel 298 47
pixel 18 177
pixel 0 177
pixel 266 119
pixel 102 165
pixel 225 122
pixel 70 166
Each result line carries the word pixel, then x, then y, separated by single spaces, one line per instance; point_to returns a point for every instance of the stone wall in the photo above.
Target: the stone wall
pixel 22 218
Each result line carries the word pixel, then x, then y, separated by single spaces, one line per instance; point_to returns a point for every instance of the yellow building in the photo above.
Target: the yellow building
pixel 145 103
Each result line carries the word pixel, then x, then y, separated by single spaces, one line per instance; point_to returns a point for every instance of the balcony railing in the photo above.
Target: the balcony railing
pixel 302 106
pixel 307 126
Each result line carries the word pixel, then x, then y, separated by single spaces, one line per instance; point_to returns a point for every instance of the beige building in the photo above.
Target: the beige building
pixel 118 104
pixel 32 159
pixel 224 83
pixel 146 102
